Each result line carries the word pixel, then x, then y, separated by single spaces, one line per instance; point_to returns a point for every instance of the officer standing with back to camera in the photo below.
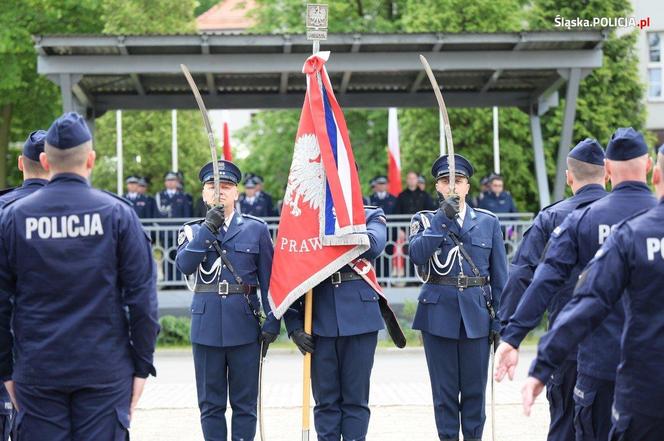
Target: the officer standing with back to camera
pixel 346 320
pixel 570 248
pixel 629 268
pixel 586 177
pixel 461 258
pixel 82 338
pixel 34 178
pixel 230 254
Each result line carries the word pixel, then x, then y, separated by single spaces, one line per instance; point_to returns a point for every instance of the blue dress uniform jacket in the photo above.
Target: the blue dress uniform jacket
pixel 531 250
pixel 29 186
pixel 387 203
pixel 503 203
pixel 572 246
pixel 348 308
pixel 179 205
pixel 442 309
pixel 629 268
pixel 144 205
pixel 69 324
pixel 218 320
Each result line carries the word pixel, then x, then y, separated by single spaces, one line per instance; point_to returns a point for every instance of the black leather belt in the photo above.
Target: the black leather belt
pixel 459 282
pixel 224 288
pixel 339 277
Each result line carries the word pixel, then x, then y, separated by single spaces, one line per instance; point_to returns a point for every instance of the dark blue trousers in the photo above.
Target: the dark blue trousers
pixel 592 411
pixel 5 426
pixel 636 427
pixel 560 393
pixel 227 374
pixel 340 378
pixel 98 412
pixel 458 368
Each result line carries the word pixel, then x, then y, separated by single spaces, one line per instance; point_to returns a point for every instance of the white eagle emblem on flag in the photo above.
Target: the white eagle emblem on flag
pixel 305 181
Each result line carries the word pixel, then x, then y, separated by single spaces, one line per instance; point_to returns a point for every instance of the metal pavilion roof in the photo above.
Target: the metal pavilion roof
pixel 107 72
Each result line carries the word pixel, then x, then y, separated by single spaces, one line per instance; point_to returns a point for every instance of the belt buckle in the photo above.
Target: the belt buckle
pixel 336 278
pixel 223 288
pixel 462 281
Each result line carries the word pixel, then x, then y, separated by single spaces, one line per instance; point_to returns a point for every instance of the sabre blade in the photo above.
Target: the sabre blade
pixel 208 129
pixel 446 121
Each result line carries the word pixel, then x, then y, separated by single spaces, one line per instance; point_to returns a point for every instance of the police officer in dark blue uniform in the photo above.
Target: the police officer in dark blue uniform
pixel 456 305
pixel 586 177
pixel 629 267
pixel 570 248
pixel 82 335
pixel 251 203
pixel 34 178
pixel 230 255
pixel 148 210
pixel 346 321
pixel 172 202
pixel 381 197
pixel 261 194
pixel 497 200
pixel 34 175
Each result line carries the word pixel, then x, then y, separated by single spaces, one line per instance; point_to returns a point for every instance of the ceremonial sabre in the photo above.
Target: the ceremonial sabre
pixel 446 121
pixel 208 128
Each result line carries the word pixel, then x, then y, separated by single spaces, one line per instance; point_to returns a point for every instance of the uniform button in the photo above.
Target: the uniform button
pixel 224 251
pixel 207 241
pixel 223 266
pixel 483 244
pixel 444 226
pixel 223 297
pixel 247 250
pixel 424 300
pixel 336 286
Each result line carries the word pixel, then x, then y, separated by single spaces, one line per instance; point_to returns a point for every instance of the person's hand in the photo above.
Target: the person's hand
pixel 507 357
pixel 9 385
pixel 214 219
pixel 449 205
pixel 303 341
pixel 136 392
pixel 531 389
pixel 265 339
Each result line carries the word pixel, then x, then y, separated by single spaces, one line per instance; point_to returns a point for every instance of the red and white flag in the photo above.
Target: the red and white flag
pixel 228 156
pixel 393 154
pixel 322 221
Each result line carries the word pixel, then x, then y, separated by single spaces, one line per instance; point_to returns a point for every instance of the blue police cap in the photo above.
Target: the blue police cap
pixel 626 144
pixel 380 180
pixel 142 181
pixel 421 179
pixel 250 183
pixel 70 130
pixel 588 151
pixel 258 179
pixel 228 172
pixel 132 180
pixel 441 167
pixel 170 175
pixel 34 145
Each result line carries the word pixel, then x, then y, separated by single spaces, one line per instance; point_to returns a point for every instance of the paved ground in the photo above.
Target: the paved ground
pixel 400 401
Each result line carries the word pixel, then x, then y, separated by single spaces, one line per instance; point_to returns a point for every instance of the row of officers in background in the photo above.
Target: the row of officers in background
pixel 174 202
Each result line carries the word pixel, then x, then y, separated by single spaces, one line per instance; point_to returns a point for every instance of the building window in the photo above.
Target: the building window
pixel 655 65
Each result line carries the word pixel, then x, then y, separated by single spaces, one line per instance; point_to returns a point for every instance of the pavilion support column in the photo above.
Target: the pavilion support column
pixel 567 132
pixel 67 92
pixel 538 149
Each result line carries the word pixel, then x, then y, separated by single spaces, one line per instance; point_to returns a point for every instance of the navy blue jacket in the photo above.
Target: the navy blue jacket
pixel 531 250
pixel 76 272
pixel 571 247
pixel 629 266
pixel 269 201
pixel 259 206
pixel 388 203
pixel 29 186
pixel 144 205
pixel 219 320
pixel 503 203
pixel 441 309
pixel 177 206
pixel 348 308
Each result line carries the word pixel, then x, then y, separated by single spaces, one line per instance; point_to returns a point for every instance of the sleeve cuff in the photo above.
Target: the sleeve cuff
pixel 272 325
pixel 540 371
pixel 144 370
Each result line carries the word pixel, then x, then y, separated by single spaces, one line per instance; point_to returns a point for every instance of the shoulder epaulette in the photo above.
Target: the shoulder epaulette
pixel 194 222
pixel 249 216
pixel 551 205
pixel 7 190
pixel 482 210
pixel 371 207
pixel 120 198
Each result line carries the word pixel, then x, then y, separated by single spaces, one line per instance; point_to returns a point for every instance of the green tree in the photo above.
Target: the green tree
pixel 29 101
pixel 147 134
